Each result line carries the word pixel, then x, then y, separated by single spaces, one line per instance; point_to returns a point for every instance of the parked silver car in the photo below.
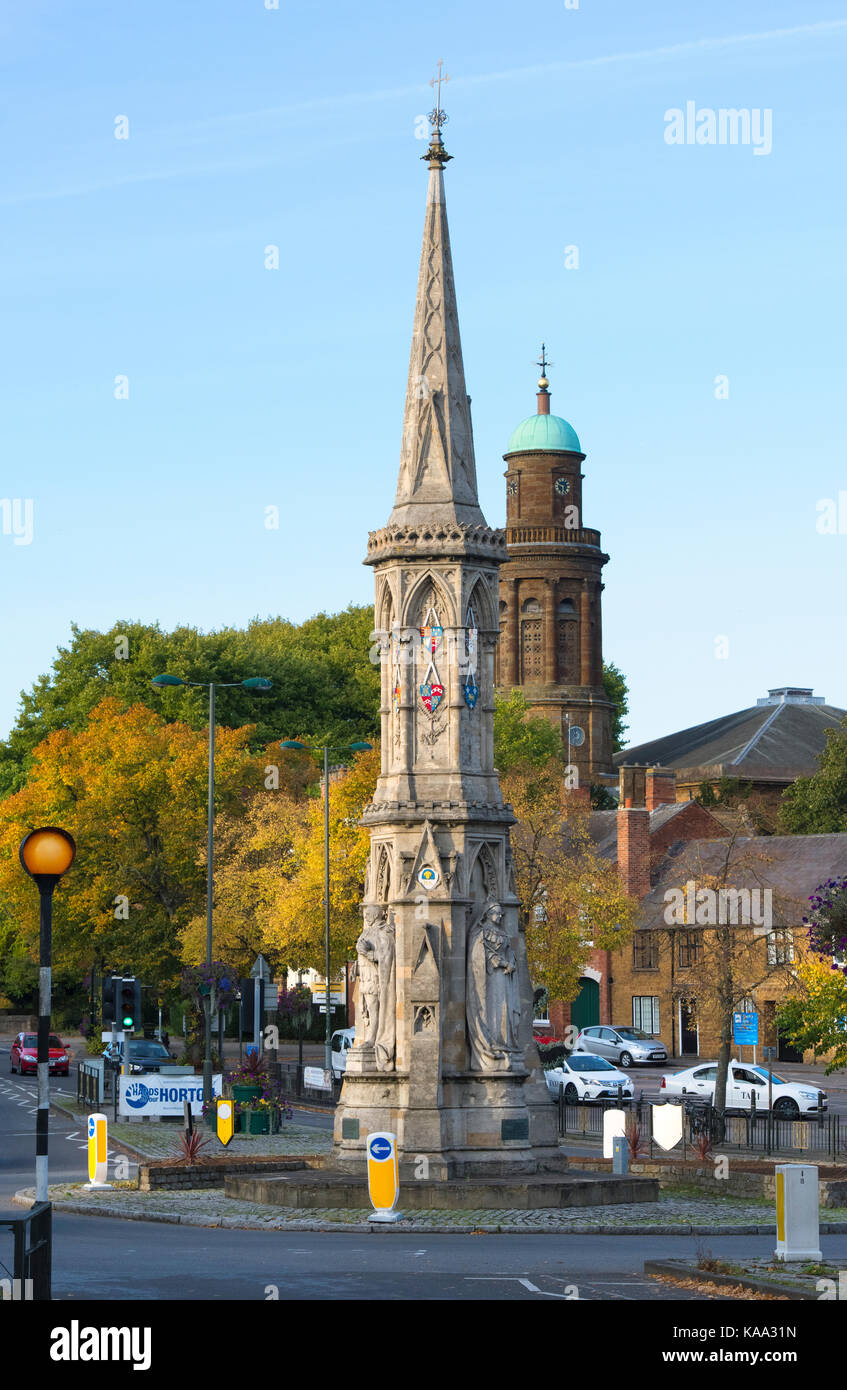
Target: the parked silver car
pixel 625 1045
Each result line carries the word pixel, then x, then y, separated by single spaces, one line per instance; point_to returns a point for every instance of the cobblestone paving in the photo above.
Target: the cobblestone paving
pixel 205 1207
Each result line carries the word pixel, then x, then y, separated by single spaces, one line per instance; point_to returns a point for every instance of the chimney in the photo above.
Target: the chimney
pixel 634 832
pixel 661 787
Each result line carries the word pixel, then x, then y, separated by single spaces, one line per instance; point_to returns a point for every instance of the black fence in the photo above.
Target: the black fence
pixel 292 1076
pixel 703 1128
pixel 31 1253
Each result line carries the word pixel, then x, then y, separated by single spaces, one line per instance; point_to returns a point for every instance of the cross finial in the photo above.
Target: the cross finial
pixel 543 362
pixel 436 156
pixel 438 117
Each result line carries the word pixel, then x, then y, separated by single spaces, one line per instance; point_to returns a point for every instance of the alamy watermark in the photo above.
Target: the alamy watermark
pixel 728 125
pixel 16 519
pixel 719 907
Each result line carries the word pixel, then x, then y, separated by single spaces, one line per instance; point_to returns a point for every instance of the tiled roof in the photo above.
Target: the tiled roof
pixel 778 741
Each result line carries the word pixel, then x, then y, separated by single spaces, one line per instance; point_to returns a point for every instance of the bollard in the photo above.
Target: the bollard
pixel 620 1155
pixel 797 1212
pixel 383 1176
pixel 98 1151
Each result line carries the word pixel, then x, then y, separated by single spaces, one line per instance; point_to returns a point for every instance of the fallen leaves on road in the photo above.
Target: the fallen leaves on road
pixel 734 1291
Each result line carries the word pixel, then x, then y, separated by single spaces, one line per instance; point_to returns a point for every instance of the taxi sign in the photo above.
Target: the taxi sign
pixel 98 1151
pixel 383 1178
pixel 225 1119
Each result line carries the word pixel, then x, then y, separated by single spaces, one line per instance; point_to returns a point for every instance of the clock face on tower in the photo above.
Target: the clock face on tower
pixel 512 487
pixel 561 486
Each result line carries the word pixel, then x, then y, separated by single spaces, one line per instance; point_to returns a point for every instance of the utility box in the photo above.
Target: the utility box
pixel 797 1213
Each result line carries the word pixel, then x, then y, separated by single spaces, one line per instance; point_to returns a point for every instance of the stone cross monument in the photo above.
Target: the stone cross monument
pixel 444 1055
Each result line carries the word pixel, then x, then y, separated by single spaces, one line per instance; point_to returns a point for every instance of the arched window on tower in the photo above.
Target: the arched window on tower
pixel 532 643
pixel 567 643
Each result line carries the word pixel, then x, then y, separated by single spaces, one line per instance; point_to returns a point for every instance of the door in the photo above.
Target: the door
pixel 689 1035
pixel 585 1009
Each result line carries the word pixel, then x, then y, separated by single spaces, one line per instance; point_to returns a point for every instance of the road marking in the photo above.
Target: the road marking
pixel 419 1252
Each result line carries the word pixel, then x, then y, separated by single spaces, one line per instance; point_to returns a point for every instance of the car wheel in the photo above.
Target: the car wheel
pixel 625 1060
pixel 571 1094
pixel 786 1109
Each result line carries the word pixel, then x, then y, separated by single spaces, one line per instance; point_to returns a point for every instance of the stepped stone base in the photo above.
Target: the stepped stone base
pixel 331 1189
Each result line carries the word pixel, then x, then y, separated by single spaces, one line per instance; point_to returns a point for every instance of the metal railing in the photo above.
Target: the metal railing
pixel 760 1132
pixel 291 1074
pixel 32 1239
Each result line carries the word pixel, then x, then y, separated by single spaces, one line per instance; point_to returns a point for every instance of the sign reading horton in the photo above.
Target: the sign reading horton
pixel 152 1094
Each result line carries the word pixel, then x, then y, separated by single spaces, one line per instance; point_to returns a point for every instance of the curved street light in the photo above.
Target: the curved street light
pixel 252 683
pixel 294 745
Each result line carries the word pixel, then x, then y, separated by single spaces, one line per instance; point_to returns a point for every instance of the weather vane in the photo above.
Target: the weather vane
pixel 543 361
pixel 438 118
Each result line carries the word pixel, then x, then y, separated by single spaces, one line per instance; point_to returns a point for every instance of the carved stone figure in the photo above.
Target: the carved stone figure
pixel 493 993
pixel 377 989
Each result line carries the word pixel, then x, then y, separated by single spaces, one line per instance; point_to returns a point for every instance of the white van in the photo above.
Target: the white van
pixel 341 1042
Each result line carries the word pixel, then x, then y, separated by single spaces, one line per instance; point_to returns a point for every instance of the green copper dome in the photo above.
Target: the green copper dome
pixel 544 432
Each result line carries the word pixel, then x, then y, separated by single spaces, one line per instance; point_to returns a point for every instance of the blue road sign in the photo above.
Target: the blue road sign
pixel 745 1029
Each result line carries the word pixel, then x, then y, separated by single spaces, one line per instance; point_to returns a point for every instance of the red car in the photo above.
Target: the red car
pixel 24 1055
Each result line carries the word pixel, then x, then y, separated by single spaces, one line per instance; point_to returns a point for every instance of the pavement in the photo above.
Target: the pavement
pixel 673 1213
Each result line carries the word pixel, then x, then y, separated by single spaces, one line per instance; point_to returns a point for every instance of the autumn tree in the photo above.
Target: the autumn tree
pixel 131 788
pixel 725 926
pixel 296 917
pixel 571 900
pixel 325 684
pixel 814 1018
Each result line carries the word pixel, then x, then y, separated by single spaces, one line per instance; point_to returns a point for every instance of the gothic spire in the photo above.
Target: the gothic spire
pixel 437 479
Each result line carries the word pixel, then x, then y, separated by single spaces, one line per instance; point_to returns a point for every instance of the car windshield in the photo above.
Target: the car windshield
pixel 777 1080
pixel 586 1063
pixel 56 1042
pixel 30 1040
pixel 634 1033
pixel 143 1048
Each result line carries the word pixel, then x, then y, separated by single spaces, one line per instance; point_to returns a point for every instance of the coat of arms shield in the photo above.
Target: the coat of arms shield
pixel 667 1125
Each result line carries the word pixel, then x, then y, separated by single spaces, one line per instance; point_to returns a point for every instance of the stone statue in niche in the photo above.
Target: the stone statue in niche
pixel 493 993
pixel 377 989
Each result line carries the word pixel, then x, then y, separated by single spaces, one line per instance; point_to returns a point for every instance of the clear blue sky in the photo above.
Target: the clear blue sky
pixel 251 388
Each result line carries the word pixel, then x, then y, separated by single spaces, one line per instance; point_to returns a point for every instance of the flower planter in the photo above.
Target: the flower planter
pixel 259 1121
pixel 246 1093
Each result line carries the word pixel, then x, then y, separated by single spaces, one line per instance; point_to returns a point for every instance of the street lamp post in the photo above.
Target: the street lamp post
pixel 252 683
pixel 45 854
pixel 292 743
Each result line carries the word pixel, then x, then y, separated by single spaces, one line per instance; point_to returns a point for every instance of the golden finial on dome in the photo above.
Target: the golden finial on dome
pixel 543 396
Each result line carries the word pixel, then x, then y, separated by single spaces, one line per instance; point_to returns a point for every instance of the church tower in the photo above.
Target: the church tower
pixel 550 625
pixel 444 1056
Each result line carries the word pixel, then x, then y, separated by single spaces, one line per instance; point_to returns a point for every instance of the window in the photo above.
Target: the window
pixel 689 947
pixel 645 950
pixel 780 947
pixel 645 1013
pixel 532 650
pixel 706 1074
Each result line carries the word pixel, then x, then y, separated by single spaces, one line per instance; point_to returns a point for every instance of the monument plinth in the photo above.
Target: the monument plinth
pixel 444 1056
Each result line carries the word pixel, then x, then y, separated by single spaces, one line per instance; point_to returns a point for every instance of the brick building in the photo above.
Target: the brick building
pixel 648 826
pixel 551 643
pixel 664 853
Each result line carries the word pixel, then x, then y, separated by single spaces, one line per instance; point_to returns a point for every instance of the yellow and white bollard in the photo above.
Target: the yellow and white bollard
pixel 383 1176
pixel 225 1119
pixel 797 1212
pixel 98 1151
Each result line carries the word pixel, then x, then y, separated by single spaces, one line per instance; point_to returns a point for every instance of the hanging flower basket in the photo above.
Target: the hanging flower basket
pixel 827 922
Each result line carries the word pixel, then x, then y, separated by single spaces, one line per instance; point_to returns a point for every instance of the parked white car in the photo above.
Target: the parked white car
pixel 790 1098
pixel 582 1077
pixel 341 1042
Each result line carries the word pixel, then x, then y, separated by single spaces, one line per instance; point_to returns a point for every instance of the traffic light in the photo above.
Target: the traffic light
pixel 108 1001
pixel 129 1004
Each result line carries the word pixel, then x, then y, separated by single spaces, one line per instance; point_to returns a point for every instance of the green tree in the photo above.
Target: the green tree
pixel 817 805
pixel 325 685
pixel 521 738
pixel 617 690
